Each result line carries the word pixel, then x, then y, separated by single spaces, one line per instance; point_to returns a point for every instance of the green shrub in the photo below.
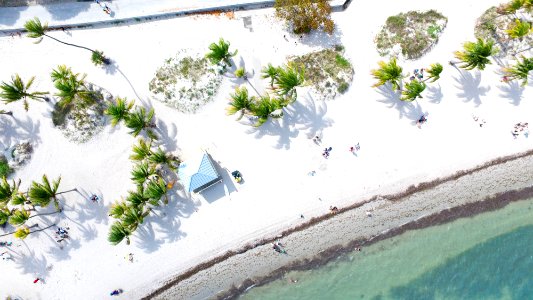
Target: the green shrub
pixel 341 61
pixel 339 48
pixel 343 86
pixel 433 30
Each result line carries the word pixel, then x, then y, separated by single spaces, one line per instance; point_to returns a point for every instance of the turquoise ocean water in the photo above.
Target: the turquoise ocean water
pixel 488 256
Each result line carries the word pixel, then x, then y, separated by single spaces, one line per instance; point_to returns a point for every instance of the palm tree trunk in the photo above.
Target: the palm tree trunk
pixel 72 190
pixel 253 87
pixel 45 214
pixel 34 225
pixel 3 112
pixel 82 47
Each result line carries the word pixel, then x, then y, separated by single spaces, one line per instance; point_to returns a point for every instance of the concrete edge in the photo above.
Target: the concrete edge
pixel 169 15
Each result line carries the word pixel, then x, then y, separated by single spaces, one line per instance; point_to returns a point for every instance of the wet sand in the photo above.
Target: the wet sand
pixel 313 243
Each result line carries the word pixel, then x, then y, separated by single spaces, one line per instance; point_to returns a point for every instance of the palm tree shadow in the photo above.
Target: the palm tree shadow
pixel 30 262
pixel 13 130
pixel 114 66
pixel 434 94
pixel 167 136
pixel 513 91
pixel 62 251
pixel 281 128
pixel 66 10
pixel 310 115
pixel 10 15
pixel 146 239
pixel 88 210
pixel 470 87
pixel 409 110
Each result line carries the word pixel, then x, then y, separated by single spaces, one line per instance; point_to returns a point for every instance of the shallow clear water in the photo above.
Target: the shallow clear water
pixel 489 256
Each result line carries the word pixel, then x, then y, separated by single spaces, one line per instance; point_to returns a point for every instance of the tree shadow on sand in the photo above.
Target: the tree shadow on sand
pixel 410 110
pixel 10 15
pixel 434 94
pixel 163 225
pixel 513 91
pixel 66 11
pixel 30 262
pixel 14 130
pixel 470 87
pixel 305 115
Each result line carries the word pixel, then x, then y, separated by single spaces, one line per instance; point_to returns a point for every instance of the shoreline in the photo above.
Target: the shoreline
pixel 324 238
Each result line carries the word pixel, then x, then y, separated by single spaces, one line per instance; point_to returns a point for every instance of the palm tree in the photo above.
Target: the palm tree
pixel 16 90
pixel 37 30
pixel 139 120
pixel 18 199
pixel 413 90
pixel 62 72
pixel 475 55
pixel 160 157
pixel 118 232
pixel 119 111
pixel 22 232
pixel 141 172
pixel 41 194
pixel 220 52
pixel 288 79
pixel 7 191
pixel 134 216
pixel 136 198
pixel 519 29
pixel 388 72
pixel 4 215
pixel 19 217
pixel 270 72
pixel 520 70
pixel 265 108
pixel 434 72
pixel 141 151
pixel 240 102
pixel 117 209
pixel 73 90
pixel 155 190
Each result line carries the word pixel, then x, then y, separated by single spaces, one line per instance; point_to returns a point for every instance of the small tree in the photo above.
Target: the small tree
pixel 475 55
pixel 140 120
pixel 287 80
pixel 388 72
pixel 412 90
pixel 36 30
pixel 240 102
pixel 118 111
pixel 519 29
pixel 306 15
pixel 16 90
pixel 220 53
pixel 520 71
pixel 434 72
pixel 119 232
pixel 270 72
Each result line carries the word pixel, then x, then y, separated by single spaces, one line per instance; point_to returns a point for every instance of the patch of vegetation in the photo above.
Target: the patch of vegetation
pixel 5 170
pixel 496 24
pixel 415 32
pixel 81 122
pixel 185 82
pixel 305 15
pixel 328 71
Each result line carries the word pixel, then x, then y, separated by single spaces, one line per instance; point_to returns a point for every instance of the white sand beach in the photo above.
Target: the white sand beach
pixel 275 159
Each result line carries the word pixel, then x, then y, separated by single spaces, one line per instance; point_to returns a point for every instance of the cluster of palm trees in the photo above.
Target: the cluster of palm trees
pixel 283 83
pixel 391 72
pixel 137 120
pixel 151 164
pixel 36 30
pixel 16 207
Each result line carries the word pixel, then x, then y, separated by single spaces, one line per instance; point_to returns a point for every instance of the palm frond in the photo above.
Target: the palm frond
pixel 270 72
pixel 413 90
pixel 36 30
pixel 388 72
pixel 42 194
pixel 118 111
pixel 475 55
pixel 22 232
pixel 220 52
pixel 7 190
pixel 139 120
pixel 117 209
pixel 520 70
pixel 518 29
pixel 288 79
pixel 141 172
pixel 155 189
pixel 240 102
pixel 141 151
pixel 4 215
pixel 19 217
pixel 117 233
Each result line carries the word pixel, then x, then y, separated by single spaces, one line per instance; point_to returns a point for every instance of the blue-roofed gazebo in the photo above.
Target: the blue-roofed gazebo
pixel 198 175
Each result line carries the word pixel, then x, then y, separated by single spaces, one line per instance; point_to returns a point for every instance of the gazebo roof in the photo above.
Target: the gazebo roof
pixel 198 175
